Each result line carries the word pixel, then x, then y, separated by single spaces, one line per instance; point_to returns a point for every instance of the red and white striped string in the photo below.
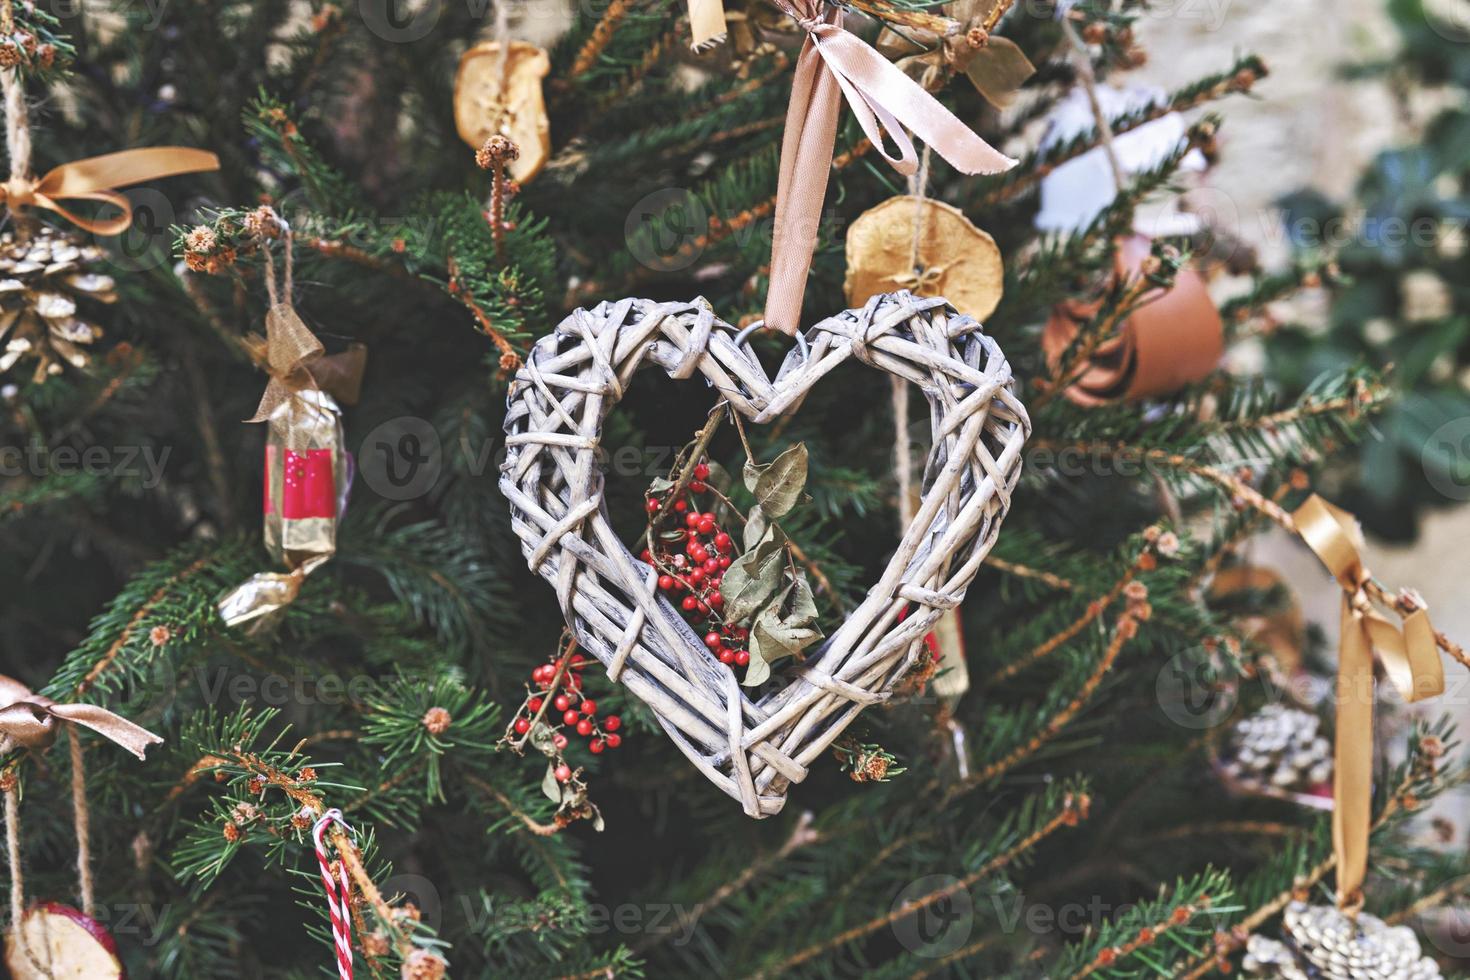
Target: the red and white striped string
pixel 338 893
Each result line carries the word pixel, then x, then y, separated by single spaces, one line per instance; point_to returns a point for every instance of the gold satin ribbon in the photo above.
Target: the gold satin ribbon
pixel 293 357
pixel 94 179
pixel 834 64
pixel 28 720
pixel 1410 661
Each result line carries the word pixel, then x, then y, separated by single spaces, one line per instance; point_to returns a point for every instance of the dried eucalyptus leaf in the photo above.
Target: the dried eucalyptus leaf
pixel 801 604
pixel 543 738
pixel 779 486
pixel 757 671
pixel 755 578
pixel 751 474
pixel 549 784
pixel 756 529
pixel 782 637
pixel 661 484
pixel 719 478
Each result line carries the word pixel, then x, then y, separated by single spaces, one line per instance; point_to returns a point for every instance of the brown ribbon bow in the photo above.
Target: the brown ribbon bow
pixel 94 178
pixel 834 63
pixel 28 720
pixel 295 361
pixel 1410 661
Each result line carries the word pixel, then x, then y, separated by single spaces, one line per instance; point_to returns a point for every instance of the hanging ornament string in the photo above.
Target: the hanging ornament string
pixel 1410 662
pixel 339 893
pixel 30 721
pixel 89 179
pixel 834 64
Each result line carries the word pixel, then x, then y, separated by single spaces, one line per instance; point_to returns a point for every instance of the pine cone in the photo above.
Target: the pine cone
pixel 42 282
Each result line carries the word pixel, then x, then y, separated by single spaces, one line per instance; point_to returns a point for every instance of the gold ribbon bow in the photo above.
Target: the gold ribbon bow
pixel 834 64
pixel 1410 661
pixel 94 179
pixel 295 361
pixel 28 720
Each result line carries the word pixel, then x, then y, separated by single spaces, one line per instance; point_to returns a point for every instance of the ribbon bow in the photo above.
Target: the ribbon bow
pixel 834 64
pixel 295 360
pixel 1410 661
pixel 28 720
pixel 94 179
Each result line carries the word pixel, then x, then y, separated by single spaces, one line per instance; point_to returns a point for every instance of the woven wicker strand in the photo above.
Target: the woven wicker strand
pixel 755 750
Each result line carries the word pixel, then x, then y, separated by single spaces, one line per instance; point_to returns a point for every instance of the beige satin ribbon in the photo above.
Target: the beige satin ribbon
pixel 834 64
pixel 295 360
pixel 28 720
pixel 94 179
pixel 1410 660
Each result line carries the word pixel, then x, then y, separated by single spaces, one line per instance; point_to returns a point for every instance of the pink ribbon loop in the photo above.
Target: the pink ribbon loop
pixel 878 93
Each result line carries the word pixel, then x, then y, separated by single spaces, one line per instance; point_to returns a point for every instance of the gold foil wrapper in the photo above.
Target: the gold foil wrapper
pixel 306 480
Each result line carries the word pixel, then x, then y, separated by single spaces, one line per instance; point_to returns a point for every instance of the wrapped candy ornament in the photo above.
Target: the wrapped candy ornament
pixel 307 469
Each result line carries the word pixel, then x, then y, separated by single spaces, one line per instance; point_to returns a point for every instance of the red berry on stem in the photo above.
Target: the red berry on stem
pixel 711 566
pixel 722 541
pixel 681 505
pixel 589 706
pixel 612 723
pixel 727 656
pixel 691 520
pixel 563 773
pixel 569 717
pixel 742 658
pixel 696 576
pixel 613 741
pixel 559 740
pixel 716 600
pixel 522 726
pixel 666 582
pixel 652 505
pixel 574 682
pixel 595 746
pixel 706 525
pixel 698 486
pixel 690 603
pixel 725 561
pixel 562 702
pixel 584 727
pixel 701 471
pixel 534 705
pixel 713 640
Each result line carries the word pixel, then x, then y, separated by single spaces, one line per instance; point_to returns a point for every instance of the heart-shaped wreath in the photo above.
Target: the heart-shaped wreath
pixel 754 750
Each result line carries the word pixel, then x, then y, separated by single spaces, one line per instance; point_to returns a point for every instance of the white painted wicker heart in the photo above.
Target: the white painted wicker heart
pixel 575 376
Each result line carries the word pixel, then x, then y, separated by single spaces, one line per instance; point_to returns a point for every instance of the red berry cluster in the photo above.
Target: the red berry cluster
pixel 693 554
pixel 568 708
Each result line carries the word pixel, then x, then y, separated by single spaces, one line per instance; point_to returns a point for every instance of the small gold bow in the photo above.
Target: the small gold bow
pixel 1410 661
pixel 94 179
pixel 28 720
pixel 295 360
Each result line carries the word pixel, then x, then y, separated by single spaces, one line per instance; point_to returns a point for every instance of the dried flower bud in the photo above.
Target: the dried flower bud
pixel 424 964
pixel 159 635
pixel 497 151
pixel 46 55
pixel 256 785
pixel 263 223
pixel 308 775
pixel 1168 544
pixel 244 813
pixel 436 720
pixel 232 833
pixel 1095 33
pixel 10 54
pixel 201 238
pixel 375 944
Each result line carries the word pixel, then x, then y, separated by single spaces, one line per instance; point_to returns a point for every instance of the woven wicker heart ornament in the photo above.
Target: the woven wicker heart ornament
pixel 754 750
